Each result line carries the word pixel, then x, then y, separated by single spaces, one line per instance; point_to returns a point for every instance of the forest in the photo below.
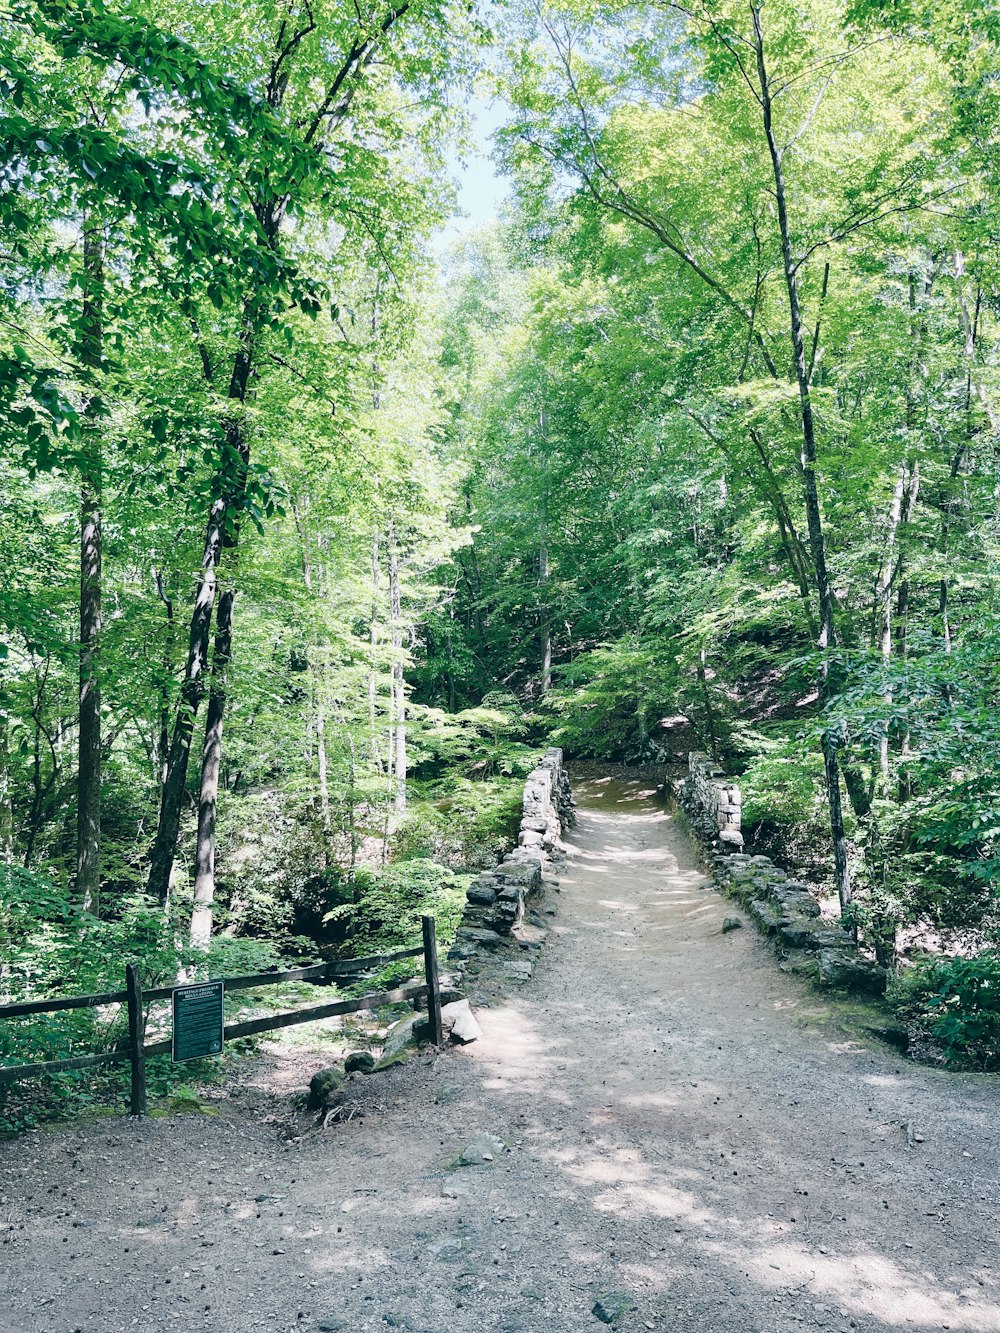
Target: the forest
pixel 316 530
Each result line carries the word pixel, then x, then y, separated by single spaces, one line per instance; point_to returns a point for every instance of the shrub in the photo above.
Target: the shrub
pixel 473 824
pixel 955 1002
pixel 387 906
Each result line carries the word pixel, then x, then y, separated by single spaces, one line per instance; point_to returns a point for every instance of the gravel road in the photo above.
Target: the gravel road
pixel 689 1132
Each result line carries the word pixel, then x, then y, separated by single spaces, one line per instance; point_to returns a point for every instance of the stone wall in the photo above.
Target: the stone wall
pixel 716 802
pixel 781 907
pixel 497 898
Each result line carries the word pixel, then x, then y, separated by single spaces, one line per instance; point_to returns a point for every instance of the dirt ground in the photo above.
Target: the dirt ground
pixel 686 1126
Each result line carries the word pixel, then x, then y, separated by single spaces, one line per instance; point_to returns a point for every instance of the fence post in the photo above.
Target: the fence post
pixel 136 1037
pixel 433 983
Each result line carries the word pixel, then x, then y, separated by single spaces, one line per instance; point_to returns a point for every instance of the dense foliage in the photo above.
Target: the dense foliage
pixel 310 537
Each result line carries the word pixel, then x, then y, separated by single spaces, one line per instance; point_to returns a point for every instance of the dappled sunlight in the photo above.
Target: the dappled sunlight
pixel 519 1057
pixel 873 1284
pixel 626 1184
pixel 347 1259
pixel 654 1101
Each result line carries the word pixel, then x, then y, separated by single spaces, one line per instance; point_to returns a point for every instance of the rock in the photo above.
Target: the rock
pixel 407 1032
pixel 731 839
pixel 449 995
pixel 325 1087
pixel 482 893
pixel 484 1149
pixel 518 970
pixel 798 935
pixel 459 1017
pixel 731 923
pixel 612 1306
pixel 482 939
pixel 476 1155
pixel 842 967
pixel 359 1062
pixel 765 914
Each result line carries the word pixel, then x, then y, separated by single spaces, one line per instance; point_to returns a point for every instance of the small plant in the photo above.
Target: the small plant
pixel 955 1002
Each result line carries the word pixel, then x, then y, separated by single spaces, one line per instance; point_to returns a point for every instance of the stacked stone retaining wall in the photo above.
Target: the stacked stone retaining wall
pixel 782 907
pixel 497 898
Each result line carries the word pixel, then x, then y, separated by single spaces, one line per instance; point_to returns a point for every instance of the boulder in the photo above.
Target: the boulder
pixel 325 1088
pixel 459 1021
pixel 359 1062
pixel 844 968
pixel 407 1032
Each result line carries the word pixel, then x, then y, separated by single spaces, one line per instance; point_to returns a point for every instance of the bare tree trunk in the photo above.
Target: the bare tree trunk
pixel 166 662
pixel 398 682
pixel 192 690
pixel 6 807
pixel 713 730
pixel 88 808
pixel 373 662
pixel 884 601
pixel 232 485
pixel 211 763
pixel 817 540
pixel 316 677
pixel 321 762
pixel 544 610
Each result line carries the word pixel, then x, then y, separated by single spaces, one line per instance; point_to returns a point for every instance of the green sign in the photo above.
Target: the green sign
pixel 198 1021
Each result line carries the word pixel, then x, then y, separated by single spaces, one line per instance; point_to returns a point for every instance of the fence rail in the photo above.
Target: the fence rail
pixel 137 1051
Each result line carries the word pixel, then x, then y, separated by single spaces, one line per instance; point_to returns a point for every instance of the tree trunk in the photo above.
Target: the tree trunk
pixel 884 601
pixel 166 664
pixel 321 764
pixel 373 662
pixel 316 677
pixel 6 806
pixel 211 755
pixel 710 720
pixel 211 762
pixel 192 690
pixel 544 610
pixel 814 520
pixel 398 682
pixel 88 808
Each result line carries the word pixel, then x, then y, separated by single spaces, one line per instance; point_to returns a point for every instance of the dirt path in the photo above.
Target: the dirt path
pixel 686 1124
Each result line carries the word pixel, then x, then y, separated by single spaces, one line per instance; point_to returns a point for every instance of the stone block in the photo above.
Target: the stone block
pixel 845 969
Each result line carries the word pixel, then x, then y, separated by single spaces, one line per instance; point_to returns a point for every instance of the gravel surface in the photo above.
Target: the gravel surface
pixel 670 1131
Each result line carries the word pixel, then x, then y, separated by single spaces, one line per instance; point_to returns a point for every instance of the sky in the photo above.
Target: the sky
pixel 480 190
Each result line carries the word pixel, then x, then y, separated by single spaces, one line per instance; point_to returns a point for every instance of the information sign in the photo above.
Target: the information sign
pixel 198 1021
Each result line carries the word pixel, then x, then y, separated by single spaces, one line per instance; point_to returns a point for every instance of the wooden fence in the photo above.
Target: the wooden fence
pixel 136 1051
